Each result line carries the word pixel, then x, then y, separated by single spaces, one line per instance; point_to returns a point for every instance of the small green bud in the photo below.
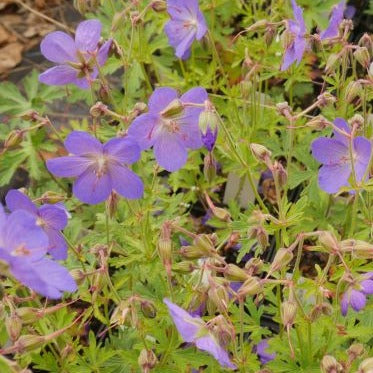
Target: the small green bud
pixel 333 63
pixel 353 90
pixel 147 360
pixel 52 197
pixel 329 241
pixel 209 167
pixel 235 273
pixel 355 350
pixel 174 108
pixel 318 123
pixel 28 315
pixel 98 109
pixel 184 267
pixel 13 139
pixel 366 366
pixel 329 364
pixel 29 342
pixel 260 152
pixel 282 258
pixel 148 309
pixel 251 286
pixel 359 249
pixel 159 5
pixel 218 295
pixel 288 312
pixel 13 325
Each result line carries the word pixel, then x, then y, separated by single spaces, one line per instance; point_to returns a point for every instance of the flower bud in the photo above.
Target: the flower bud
pixel 29 342
pixel 208 119
pixel 173 109
pixel 165 251
pixel 159 5
pixel 140 108
pixel 370 71
pixel 318 123
pixel 246 88
pixel 355 350
pixel 330 365
pixel 148 309
pixel 78 275
pixel 13 139
pixel 235 273
pixel 329 241
pixel 359 249
pixel 320 309
pixel 333 63
pixel 98 109
pixel 357 121
pixel 260 234
pixel 284 109
pixel 362 56
pixel 366 41
pixel 209 167
pixel 254 266
pixel 120 313
pixel 184 267
pixel 28 315
pixel 353 90
pixel 280 173
pixel 325 99
pixel 269 35
pixel 257 25
pixel 288 313
pixel 218 296
pixel 366 366
pixel 51 197
pixel 192 252
pixel 147 360
pixel 251 286
pixel 260 152
pixel 13 325
pixel 282 258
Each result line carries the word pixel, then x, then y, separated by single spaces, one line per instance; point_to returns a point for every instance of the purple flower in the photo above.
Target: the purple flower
pixel 51 218
pixel 335 20
pixel 99 168
pixel 261 350
pixel 170 127
pixel 186 24
pixel 209 138
pixel 194 330
pixel 335 156
pixel 75 59
pixel 294 52
pixel 23 245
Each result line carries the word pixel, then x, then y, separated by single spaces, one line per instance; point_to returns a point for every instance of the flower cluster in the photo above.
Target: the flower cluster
pixel 24 243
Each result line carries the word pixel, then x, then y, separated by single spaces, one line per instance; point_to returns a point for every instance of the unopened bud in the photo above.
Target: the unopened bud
pixel 355 350
pixel 329 241
pixel 147 360
pixel 184 267
pixel 209 167
pixel 148 309
pixel 254 266
pixel 260 152
pixel 29 342
pixel 333 62
pixel 320 309
pixel 366 366
pixel 192 252
pixel 288 312
pixel 284 109
pixel 120 313
pixel 218 296
pixel 159 5
pixel 257 25
pixel 370 71
pixel 28 315
pixel 319 123
pixel 359 249
pixel 325 99
pixel 269 35
pixel 68 352
pixel 367 41
pixel 287 39
pixel 353 90
pixel 315 42
pixel 78 275
pixel 280 173
pixel 251 286
pixel 260 234
pixel 362 56
pixel 235 273
pixel 173 109
pixel 13 325
pixel 329 364
pixel 357 121
pixel 13 139
pixel 282 258
pixel 51 197
pixel 140 107
pixel 98 109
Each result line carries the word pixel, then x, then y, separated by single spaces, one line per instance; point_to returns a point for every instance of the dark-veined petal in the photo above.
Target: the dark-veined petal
pixel 58 47
pixel 15 200
pixel 126 182
pixel 58 75
pixel 332 178
pixel 125 150
pixel 160 98
pixel 88 34
pixel 80 142
pixel 69 166
pixel 142 130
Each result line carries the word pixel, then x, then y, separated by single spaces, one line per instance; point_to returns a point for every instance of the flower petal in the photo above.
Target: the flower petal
pixel 160 98
pixel 126 182
pixel 333 177
pixel 342 125
pixel 125 150
pixel 58 47
pixel 329 151
pixel 170 152
pixel 298 15
pixel 142 130
pixel 80 143
pixel 363 150
pixel 69 166
pixel 357 300
pixel 91 189
pixel 335 20
pixel 344 304
pixel 103 52
pixel 88 34
pixel 58 75
pixel 57 247
pixel 44 276
pixel 53 217
pixel 210 345
pixel 180 37
pixel 15 200
pixel 367 286
pixel 186 325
